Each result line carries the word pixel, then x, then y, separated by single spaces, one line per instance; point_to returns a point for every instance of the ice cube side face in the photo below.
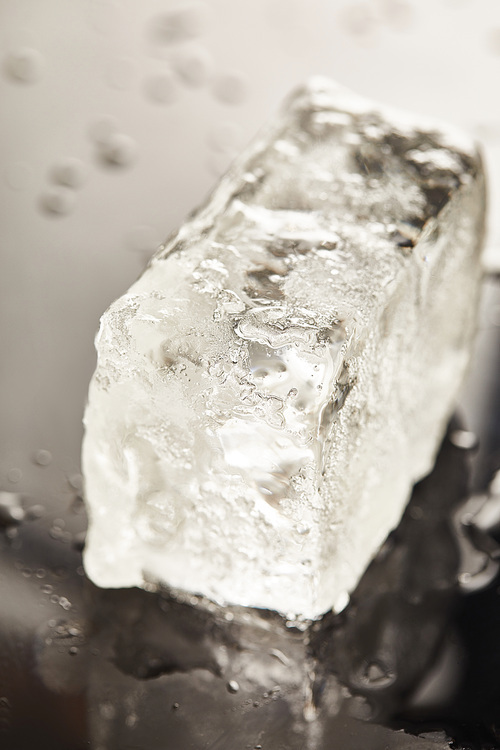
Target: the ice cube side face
pixel 283 371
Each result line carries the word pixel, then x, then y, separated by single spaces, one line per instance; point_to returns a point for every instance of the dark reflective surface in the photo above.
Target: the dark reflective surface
pixel 413 661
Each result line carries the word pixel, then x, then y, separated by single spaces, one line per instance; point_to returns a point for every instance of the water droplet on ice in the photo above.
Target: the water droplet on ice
pixel 232 686
pixel 464 439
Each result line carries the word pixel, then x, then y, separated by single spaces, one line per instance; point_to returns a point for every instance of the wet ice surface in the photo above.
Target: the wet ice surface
pixel 414 650
pixel 284 369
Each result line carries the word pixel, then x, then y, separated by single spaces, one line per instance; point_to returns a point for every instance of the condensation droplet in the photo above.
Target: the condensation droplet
pixel 232 686
pixel 102 128
pixel 19 175
pixel 24 65
pixel 69 172
pixel 14 475
pixel 76 481
pixel 35 512
pixel 65 603
pixel 118 150
pixel 464 439
pixel 194 66
pixel 230 88
pixel 161 88
pixel 225 137
pixel 179 24
pixel 42 457
pixel 58 201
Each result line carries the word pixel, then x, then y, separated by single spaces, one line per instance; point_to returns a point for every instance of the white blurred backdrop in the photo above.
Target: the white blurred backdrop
pixel 117 118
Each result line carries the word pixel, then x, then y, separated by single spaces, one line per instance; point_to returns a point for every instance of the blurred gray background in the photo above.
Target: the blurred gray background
pixel 117 118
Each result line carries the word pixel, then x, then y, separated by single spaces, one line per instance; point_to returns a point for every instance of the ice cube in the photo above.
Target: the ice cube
pixel 269 390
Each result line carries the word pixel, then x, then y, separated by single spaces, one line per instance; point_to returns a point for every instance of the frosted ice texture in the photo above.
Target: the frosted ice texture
pixel 271 387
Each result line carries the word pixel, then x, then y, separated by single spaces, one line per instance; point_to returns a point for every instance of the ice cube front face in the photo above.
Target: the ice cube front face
pixel 281 374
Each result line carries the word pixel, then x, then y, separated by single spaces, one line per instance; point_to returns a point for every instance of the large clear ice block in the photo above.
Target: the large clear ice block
pixel 269 390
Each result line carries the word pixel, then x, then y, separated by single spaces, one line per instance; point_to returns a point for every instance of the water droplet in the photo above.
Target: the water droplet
pixel 118 150
pixel 107 711
pixel 179 24
pixel 161 88
pixel 14 475
pixel 47 589
pixel 231 88
pixel 42 457
pixel 19 175
pixel 73 650
pixel 11 509
pixel 175 706
pixel 35 512
pixel 41 573
pixel 464 439
pixel 69 172
pixel 76 481
pixel 58 201
pixel 232 686
pixel 24 65
pixel 194 66
pixel 378 676
pixel 102 128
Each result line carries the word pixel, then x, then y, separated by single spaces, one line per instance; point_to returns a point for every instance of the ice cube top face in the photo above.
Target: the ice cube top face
pixel 271 387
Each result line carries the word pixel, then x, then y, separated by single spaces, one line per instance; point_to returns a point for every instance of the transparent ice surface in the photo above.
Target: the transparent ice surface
pixel 281 374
